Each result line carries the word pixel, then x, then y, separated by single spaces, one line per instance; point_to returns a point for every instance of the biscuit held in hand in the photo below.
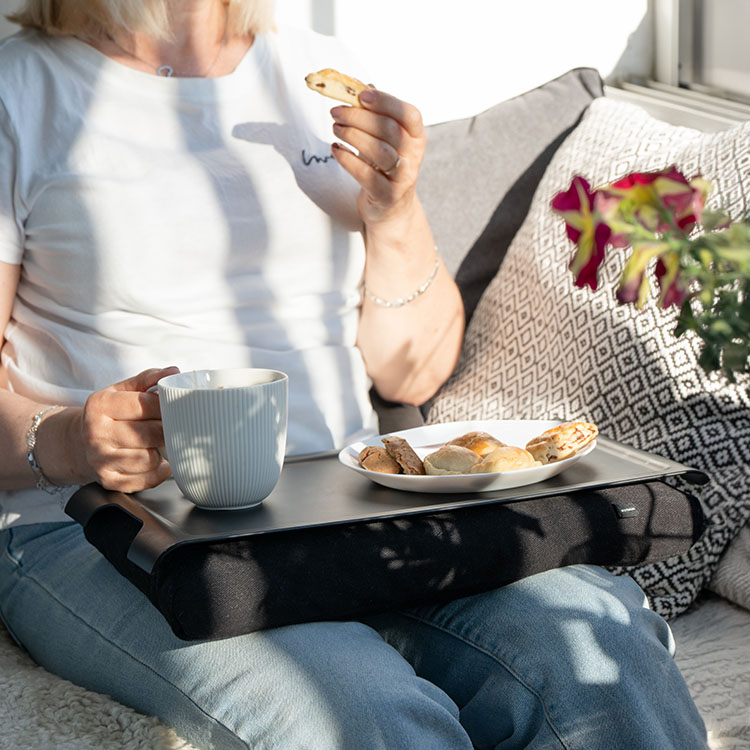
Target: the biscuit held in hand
pixel 399 450
pixel 330 82
pixel 375 458
pixel 562 441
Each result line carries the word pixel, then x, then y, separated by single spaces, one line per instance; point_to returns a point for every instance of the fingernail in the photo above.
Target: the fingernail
pixel 368 96
pixel 336 113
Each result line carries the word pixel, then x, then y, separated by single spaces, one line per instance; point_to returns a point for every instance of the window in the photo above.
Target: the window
pixel 713 52
pixel 701 74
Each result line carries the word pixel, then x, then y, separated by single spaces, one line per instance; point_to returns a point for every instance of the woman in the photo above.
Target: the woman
pixel 167 196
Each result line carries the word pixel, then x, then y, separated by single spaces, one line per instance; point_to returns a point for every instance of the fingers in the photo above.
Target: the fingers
pixel 387 133
pixel 127 405
pixel 122 433
pixel 144 380
pixel 376 184
pixel 102 430
pixel 115 478
pixel 382 150
pixel 129 399
pixel 407 115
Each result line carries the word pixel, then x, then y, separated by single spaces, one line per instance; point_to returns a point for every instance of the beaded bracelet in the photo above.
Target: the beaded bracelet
pixel 42 482
pixel 401 301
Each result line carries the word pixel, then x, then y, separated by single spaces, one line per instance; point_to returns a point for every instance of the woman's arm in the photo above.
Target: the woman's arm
pixel 412 349
pixel 113 439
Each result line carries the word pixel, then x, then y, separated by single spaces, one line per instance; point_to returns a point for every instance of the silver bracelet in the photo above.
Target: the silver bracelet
pixel 401 301
pixel 42 482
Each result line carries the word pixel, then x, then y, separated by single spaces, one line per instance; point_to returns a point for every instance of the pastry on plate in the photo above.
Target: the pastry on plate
pixel 375 458
pixel 506 458
pixel 401 452
pixel 450 459
pixel 330 82
pixel 480 442
pixel 562 441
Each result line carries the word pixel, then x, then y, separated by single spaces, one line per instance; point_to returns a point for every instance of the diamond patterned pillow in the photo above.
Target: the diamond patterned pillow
pixel 538 347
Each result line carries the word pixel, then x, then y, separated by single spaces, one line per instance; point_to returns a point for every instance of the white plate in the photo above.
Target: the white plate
pixel 429 438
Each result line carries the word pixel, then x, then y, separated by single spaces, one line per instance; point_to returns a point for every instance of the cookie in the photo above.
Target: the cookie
pixel 375 458
pixel 335 85
pixel 562 441
pixel 399 450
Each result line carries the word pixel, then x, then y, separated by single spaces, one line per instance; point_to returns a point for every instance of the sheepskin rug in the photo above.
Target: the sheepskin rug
pixel 40 711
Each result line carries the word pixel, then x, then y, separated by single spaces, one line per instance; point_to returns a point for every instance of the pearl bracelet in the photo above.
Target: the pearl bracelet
pixel 42 482
pixel 401 301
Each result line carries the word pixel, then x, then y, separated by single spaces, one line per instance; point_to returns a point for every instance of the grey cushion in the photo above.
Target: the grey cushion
pixel 479 174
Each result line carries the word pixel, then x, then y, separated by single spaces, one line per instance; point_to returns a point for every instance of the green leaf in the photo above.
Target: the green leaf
pixel 721 329
pixel 713 219
pixel 735 357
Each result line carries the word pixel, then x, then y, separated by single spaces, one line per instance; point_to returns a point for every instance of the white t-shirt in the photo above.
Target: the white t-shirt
pixel 170 221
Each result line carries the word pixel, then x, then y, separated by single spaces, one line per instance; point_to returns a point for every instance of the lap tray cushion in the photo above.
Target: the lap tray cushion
pixel 220 588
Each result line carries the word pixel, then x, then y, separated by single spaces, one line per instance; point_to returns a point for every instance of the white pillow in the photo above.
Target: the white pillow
pixel 538 347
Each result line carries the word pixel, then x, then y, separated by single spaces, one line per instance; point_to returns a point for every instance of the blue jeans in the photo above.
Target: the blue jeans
pixel 570 658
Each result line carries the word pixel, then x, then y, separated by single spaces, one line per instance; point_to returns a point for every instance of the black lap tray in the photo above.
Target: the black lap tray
pixel 329 544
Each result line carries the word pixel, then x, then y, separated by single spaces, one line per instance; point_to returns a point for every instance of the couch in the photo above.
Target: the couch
pixel 537 347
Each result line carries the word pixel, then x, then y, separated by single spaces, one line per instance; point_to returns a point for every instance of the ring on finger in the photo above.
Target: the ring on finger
pixel 389 172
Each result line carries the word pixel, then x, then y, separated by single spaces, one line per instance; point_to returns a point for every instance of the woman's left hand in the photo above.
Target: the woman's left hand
pixel 390 139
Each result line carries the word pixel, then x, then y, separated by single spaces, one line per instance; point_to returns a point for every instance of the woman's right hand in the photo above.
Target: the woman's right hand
pixel 121 434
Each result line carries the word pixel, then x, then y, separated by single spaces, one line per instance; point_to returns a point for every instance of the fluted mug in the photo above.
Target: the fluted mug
pixel 225 434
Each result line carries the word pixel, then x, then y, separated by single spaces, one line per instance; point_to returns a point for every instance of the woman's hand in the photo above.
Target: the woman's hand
pixel 390 139
pixel 121 433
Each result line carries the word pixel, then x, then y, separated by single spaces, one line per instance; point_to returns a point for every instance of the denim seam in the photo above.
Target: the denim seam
pixel 129 655
pixel 9 552
pixel 497 659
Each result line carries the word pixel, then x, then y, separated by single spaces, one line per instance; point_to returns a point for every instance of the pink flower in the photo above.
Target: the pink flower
pixel 634 285
pixel 657 201
pixel 584 227
pixel 667 272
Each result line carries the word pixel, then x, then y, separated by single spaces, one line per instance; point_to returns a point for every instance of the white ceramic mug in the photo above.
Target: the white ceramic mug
pixel 225 433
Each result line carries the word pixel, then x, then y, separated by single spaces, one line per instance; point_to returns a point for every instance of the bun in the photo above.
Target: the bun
pixel 507 458
pixel 375 458
pixel 450 459
pixel 401 452
pixel 481 443
pixel 330 82
pixel 562 441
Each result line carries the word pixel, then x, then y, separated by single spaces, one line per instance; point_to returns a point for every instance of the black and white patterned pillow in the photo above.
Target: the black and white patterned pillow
pixel 538 347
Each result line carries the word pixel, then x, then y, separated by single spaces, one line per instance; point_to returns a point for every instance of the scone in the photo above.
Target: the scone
pixel 562 441
pixel 330 82
pixel 450 459
pixel 375 458
pixel 507 458
pixel 401 452
pixel 481 443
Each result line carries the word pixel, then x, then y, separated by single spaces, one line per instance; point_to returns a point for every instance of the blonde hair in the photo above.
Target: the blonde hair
pixel 93 17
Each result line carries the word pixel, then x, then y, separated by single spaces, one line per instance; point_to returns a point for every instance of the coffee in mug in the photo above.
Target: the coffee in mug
pixel 225 433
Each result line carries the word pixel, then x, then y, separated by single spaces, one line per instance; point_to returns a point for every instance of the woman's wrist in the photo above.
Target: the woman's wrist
pixel 58 450
pixel 398 229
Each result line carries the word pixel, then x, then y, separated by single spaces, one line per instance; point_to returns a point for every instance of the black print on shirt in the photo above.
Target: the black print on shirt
pixel 308 160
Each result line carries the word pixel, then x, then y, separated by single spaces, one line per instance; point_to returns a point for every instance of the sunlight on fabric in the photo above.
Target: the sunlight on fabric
pixel 594 666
